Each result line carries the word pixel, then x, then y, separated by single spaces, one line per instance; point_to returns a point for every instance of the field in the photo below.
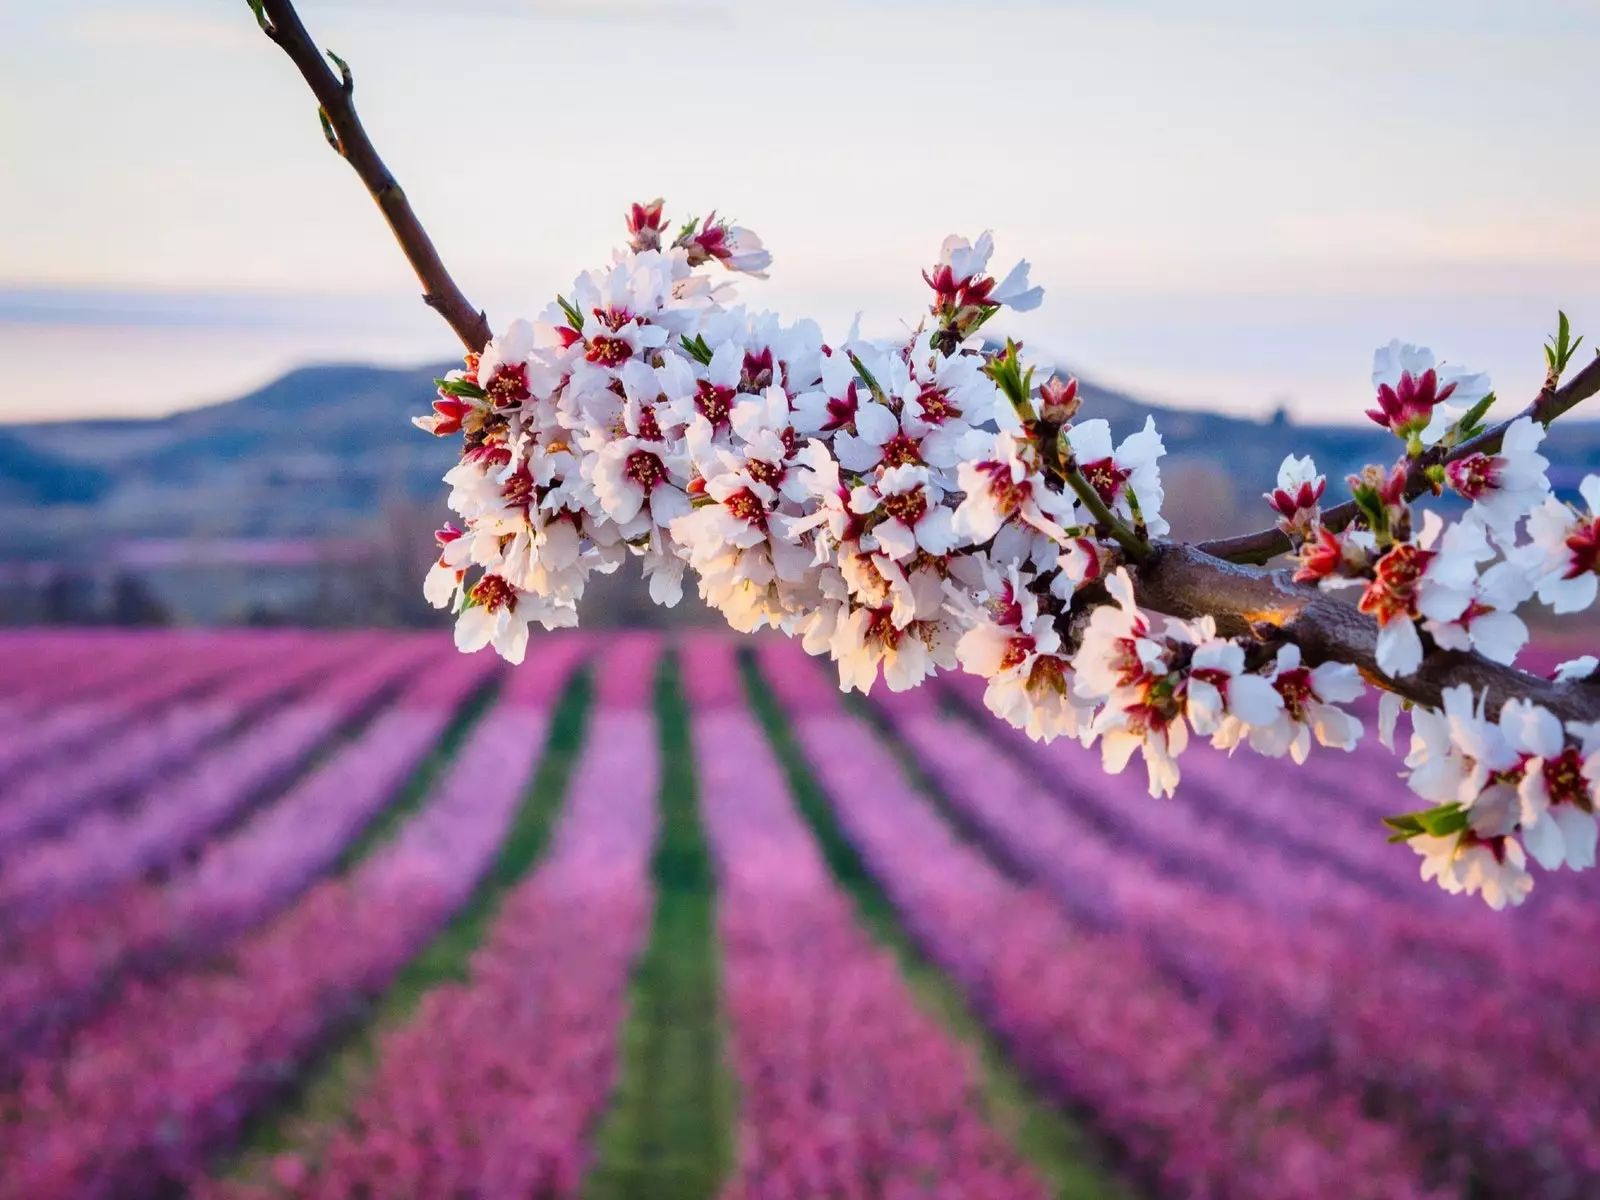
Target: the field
pixel 303 914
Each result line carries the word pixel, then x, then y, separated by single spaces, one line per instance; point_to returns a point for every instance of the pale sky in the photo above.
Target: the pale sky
pixel 1230 209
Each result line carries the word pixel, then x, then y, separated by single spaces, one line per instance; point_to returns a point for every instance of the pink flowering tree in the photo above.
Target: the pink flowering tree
pixel 928 503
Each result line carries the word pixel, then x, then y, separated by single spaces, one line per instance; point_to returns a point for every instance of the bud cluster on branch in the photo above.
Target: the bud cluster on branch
pixel 921 504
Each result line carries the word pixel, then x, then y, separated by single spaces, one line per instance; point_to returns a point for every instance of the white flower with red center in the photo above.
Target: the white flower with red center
pixel 1413 579
pixel 1120 663
pixel 1412 389
pixel 1019 655
pixel 737 544
pixel 641 476
pixel 1131 720
pixel 1507 486
pixel 1564 550
pixel 497 614
pixel 1557 803
pixel 906 514
pixel 1489 623
pixel 1335 560
pixel 945 400
pixel 1217 688
pixel 960 279
pixel 736 248
pixel 1297 497
pixel 1310 698
pixel 1118 649
pixel 444 581
pixel 879 438
pixel 831 406
pixel 1468 862
pixel 1456 751
pixel 1005 487
pixel 503 367
pixel 910 640
pixel 1124 474
pixel 1084 561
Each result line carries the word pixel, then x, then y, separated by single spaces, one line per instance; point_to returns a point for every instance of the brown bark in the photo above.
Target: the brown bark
pixel 1185 581
pixel 345 134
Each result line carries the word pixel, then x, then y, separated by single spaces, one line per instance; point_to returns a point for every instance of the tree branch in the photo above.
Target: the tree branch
pixel 1185 581
pixel 1265 544
pixel 342 128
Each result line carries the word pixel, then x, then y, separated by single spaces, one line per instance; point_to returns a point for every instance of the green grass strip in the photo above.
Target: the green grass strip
pixel 668 1134
pixel 1057 1147
pixel 322 1097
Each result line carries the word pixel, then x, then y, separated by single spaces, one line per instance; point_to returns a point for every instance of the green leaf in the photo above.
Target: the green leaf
pixel 1439 821
pixel 327 131
pixel 261 16
pixel 1474 415
pixel 697 349
pixel 464 388
pixel 574 317
pixel 346 78
pixel 867 377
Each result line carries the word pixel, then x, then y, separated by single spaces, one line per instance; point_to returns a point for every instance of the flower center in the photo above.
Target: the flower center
pixel 756 373
pixel 1048 673
pixel 1295 688
pixel 1007 494
pixel 747 506
pixel 1563 776
pixel 766 473
pixel 494 593
pixel 649 427
pixel 937 407
pixel 901 451
pixel 1584 545
pixel 518 489
pixel 609 351
pixel 1393 594
pixel 1017 651
pixel 509 385
pixel 1475 475
pixel 1106 477
pixel 842 412
pixel 713 402
pixel 644 469
pixel 906 507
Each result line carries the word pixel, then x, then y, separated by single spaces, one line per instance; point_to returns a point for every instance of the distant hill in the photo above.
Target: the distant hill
pixel 322 452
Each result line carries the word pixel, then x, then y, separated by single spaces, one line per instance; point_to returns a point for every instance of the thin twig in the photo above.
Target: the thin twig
pixel 1138 549
pixel 1265 544
pixel 344 132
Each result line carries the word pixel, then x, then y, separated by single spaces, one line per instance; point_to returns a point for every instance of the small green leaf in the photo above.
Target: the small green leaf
pixel 574 317
pixel 347 79
pixel 867 377
pixel 697 349
pixel 1439 821
pixel 327 131
pixel 1471 418
pixel 464 388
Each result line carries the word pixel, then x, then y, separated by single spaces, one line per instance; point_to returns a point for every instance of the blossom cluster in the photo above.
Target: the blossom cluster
pixel 918 504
